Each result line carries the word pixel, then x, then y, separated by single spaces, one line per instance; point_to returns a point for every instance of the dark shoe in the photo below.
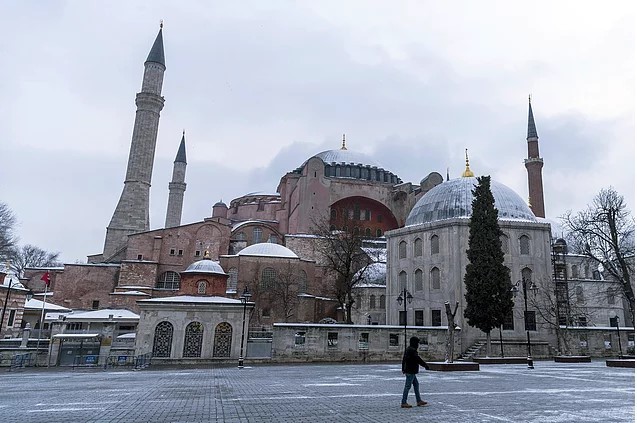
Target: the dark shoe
pixel 405 405
pixel 422 403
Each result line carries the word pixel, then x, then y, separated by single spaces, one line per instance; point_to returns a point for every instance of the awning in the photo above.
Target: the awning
pixel 76 335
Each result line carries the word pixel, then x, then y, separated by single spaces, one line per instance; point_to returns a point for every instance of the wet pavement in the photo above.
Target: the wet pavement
pixel 552 392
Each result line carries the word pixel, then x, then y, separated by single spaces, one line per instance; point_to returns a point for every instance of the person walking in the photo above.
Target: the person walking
pixel 411 363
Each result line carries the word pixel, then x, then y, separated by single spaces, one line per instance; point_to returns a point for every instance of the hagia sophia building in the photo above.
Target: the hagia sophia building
pixel 257 238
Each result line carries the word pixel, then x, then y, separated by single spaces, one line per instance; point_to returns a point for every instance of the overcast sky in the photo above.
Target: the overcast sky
pixel 261 86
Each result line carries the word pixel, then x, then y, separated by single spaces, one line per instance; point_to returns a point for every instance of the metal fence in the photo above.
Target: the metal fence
pixel 20 361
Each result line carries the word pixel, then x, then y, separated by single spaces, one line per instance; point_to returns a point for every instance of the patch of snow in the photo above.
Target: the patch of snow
pixel 34 304
pixel 192 299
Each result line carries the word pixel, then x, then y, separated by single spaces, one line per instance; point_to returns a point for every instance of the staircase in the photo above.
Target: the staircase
pixel 472 351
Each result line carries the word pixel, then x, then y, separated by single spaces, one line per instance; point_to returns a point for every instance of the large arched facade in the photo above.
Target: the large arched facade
pixel 369 217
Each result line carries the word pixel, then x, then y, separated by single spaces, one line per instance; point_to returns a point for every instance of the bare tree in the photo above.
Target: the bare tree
pixel 32 256
pixel 605 232
pixel 545 302
pixel 285 291
pixel 8 240
pixel 339 248
pixel 451 328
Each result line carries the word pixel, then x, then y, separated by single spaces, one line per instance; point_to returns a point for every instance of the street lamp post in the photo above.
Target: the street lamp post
pixel 244 300
pixel 619 338
pixel 531 286
pixel 403 298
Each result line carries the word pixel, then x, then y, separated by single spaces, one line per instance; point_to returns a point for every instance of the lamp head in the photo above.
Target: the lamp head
pixel 400 299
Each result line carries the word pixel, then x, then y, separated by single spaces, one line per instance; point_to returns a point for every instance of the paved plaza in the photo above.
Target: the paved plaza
pixel 552 392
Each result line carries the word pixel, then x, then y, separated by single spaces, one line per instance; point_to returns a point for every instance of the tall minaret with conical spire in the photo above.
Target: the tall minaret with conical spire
pixel 177 187
pixel 132 212
pixel 534 164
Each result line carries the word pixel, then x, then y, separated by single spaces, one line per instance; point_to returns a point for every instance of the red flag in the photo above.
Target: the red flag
pixel 46 278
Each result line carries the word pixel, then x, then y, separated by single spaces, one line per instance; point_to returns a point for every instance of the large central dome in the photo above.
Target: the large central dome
pixel 346 156
pixel 453 199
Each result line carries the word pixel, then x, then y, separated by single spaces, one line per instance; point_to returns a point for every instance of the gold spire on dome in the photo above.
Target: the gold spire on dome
pixel 161 23
pixel 343 146
pixel 467 172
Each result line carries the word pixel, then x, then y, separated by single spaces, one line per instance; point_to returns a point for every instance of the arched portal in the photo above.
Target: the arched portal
pixel 362 215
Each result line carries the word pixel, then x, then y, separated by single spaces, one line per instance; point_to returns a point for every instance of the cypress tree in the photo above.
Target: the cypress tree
pixel 487 279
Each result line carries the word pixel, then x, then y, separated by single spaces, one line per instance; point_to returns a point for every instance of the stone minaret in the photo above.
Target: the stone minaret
pixel 131 213
pixel 177 187
pixel 534 164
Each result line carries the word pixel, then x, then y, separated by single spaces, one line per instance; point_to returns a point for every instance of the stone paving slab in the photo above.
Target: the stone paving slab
pixel 552 392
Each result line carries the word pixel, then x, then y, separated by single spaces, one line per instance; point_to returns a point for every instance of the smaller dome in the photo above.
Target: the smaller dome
pixel 268 249
pixel 205 266
pixel 220 204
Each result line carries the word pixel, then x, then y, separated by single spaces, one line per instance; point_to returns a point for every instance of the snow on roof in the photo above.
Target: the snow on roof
pixel 192 299
pixel 104 314
pixel 34 304
pixel 131 293
pixel 55 316
pixel 302 236
pixel 76 335
pixel 374 274
pixel 15 283
pixel 376 254
pixel 127 336
pixel 246 222
pixel 268 249
pixel 134 287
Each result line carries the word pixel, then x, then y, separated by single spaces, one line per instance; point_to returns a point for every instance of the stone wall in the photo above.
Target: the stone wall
pixel 295 342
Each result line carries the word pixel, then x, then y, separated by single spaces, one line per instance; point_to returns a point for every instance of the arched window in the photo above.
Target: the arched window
pixel 163 341
pixel 273 239
pixel 381 302
pixel 302 282
pixel 379 233
pixel 233 275
pixel 527 274
pixel 579 294
pixel 610 294
pixel 435 278
pixel 193 339
pixel 504 241
pixel 168 280
pixel 596 275
pixel 402 280
pixel 333 214
pixel 418 247
pixel 418 283
pixel 256 235
pixel 357 301
pixel 223 340
pixel 268 278
pixel 357 231
pixel 372 302
pixel 368 232
pixel 435 244
pixel 241 236
pixel 574 272
pixel 525 245
pixel 201 286
pixel 587 272
pixel 402 250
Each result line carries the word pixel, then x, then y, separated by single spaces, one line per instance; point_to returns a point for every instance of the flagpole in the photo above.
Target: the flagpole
pixel 37 348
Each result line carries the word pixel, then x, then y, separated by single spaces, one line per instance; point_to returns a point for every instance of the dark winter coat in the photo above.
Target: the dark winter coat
pixel 411 359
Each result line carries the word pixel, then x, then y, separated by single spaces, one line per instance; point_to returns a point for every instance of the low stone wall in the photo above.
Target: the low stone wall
pixel 600 341
pixel 296 342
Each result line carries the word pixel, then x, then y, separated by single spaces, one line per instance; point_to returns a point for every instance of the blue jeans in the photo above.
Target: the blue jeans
pixel 411 379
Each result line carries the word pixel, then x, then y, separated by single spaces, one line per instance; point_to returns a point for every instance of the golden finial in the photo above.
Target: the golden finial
pixel 467 172
pixel 529 98
pixel 183 133
pixel 161 23
pixel 343 146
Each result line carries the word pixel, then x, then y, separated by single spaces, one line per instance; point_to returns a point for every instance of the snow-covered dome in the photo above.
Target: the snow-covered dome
pixel 375 274
pixel 453 199
pixel 345 156
pixel 268 249
pixel 205 266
